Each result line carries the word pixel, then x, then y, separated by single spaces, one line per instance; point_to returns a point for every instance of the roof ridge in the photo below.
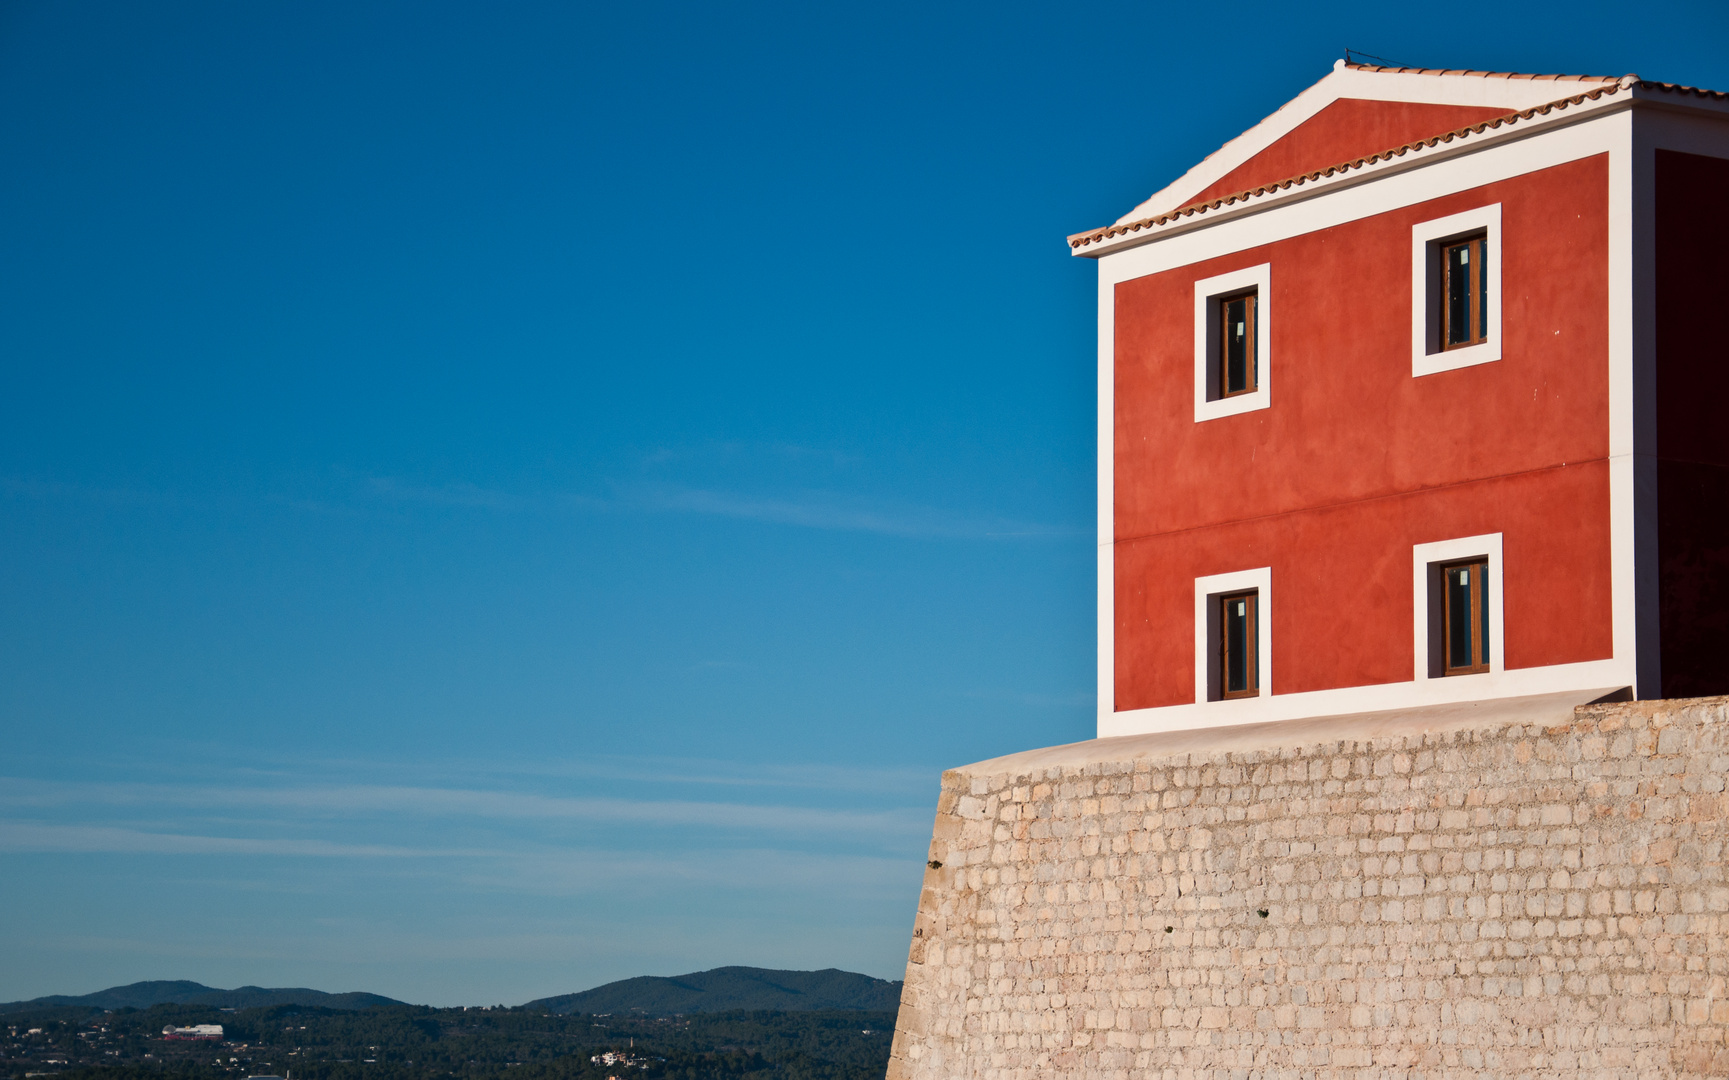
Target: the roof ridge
pixel 1485 74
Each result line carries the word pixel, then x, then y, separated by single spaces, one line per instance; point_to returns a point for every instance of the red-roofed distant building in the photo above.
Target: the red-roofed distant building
pixel 1410 396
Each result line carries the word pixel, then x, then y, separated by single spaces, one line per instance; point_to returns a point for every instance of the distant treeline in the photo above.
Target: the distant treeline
pixel 406 1042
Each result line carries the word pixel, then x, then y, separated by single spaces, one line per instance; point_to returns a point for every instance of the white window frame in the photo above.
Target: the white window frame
pixel 1207 591
pixel 1427 355
pixel 1208 291
pixel 1425 559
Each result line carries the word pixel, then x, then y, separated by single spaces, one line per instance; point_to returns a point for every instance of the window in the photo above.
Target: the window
pixel 1238 670
pixel 1465 302
pixel 1233 636
pixel 1237 345
pixel 1465 617
pixel 1458 607
pixel 1456 291
pixel 1233 326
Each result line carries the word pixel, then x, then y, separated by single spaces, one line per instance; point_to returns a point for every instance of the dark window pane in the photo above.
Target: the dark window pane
pixel 1236 644
pixel 1482 327
pixel 1236 345
pixel 1458 263
pixel 1458 616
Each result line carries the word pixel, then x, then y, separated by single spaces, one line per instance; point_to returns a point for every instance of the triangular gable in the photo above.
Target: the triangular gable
pixel 1355 111
pixel 1346 129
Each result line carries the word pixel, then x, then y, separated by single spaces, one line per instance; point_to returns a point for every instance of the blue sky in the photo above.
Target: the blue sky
pixel 499 498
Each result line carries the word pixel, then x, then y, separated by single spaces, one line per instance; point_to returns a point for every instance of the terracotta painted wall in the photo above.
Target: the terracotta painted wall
pixel 1356 461
pixel 1692 452
pixel 1347 129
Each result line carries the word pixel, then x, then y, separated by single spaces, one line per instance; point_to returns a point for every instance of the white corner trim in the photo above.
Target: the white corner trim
pixel 1427 356
pixel 1425 556
pixel 1207 290
pixel 1633 498
pixel 1261 580
pixel 1107 509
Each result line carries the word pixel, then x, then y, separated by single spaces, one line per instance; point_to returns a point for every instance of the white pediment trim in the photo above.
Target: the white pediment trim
pixel 1473 89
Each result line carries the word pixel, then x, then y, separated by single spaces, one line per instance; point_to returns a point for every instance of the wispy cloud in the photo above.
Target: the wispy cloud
pixel 459 494
pixel 749 869
pixel 508 865
pixel 19 837
pixel 839 512
pixel 801 508
pixel 736 450
pixel 811 512
pixel 702 666
pixel 1074 700
pixel 468 804
pixel 23 487
pixel 916 782
pixel 906 780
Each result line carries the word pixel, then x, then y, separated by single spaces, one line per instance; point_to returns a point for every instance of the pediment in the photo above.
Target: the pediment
pixel 1355 111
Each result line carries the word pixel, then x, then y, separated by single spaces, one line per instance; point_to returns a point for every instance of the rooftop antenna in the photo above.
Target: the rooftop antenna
pixel 1357 56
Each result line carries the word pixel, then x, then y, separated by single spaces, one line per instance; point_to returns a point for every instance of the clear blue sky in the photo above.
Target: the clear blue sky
pixel 496 498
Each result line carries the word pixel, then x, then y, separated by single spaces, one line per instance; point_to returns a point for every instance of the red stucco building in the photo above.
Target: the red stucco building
pixel 1413 394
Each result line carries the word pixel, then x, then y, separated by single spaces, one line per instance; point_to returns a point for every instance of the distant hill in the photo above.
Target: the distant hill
pixel 142 995
pixel 729 988
pixel 721 990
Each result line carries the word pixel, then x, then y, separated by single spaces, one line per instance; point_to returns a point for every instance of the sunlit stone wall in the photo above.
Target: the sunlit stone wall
pixel 1537 899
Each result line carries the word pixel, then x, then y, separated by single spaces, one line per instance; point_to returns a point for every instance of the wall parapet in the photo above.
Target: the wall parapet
pixel 1532 888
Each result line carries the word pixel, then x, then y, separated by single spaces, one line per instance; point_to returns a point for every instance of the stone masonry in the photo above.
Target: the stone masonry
pixel 1504 894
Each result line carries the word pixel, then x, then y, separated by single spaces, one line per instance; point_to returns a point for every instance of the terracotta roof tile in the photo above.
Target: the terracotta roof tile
pixel 1686 91
pixel 1486 74
pixel 1607 86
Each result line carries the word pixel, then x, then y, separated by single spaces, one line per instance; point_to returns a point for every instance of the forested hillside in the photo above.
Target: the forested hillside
pixel 731 988
pixel 142 995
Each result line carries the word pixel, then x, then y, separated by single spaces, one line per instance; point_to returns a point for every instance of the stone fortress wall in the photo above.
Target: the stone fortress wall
pixel 1517 889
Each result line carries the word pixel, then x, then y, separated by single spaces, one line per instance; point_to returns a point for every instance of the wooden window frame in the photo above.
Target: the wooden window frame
pixel 1429 356
pixel 1252 319
pixel 1478 616
pixel 1209 343
pixel 1477 286
pixel 1251 637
